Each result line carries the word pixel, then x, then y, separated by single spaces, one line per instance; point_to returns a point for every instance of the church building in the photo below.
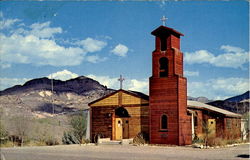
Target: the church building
pixel 165 115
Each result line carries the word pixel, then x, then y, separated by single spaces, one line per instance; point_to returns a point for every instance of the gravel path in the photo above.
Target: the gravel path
pixel 123 152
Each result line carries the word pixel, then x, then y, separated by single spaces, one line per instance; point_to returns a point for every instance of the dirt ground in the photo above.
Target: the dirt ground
pixel 123 152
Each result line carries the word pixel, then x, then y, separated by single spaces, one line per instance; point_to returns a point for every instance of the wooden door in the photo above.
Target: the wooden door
pixel 212 127
pixel 118 128
pixel 125 128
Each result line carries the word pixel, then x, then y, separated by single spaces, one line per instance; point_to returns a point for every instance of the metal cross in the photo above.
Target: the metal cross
pixel 121 79
pixel 164 19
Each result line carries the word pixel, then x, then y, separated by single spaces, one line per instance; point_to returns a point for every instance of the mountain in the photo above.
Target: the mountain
pixel 80 85
pixel 239 97
pixel 199 99
pixel 237 104
pixel 34 98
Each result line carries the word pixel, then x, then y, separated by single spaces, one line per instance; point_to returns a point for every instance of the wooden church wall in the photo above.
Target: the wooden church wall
pixel 109 101
pixel 101 121
pixel 139 120
pixel 103 115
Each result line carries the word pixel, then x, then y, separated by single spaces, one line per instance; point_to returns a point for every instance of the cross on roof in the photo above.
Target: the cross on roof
pixel 121 79
pixel 164 19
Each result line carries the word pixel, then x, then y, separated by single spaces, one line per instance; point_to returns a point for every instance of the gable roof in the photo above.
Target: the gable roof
pixel 132 93
pixel 165 30
pixel 190 104
pixel 199 105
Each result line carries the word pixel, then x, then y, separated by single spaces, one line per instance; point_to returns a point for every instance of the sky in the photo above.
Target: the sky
pixel 103 40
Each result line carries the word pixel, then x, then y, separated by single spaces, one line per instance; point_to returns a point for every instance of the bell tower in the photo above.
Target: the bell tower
pixel 169 122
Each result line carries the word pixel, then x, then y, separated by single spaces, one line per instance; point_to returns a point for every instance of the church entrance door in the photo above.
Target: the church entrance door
pixel 212 127
pixel 121 123
pixel 118 128
pixel 125 126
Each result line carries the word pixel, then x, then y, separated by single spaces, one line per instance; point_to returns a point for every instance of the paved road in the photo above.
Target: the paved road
pixel 108 152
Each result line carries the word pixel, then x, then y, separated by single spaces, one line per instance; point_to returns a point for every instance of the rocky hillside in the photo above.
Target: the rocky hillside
pixel 35 97
pixel 237 104
pixel 199 99
pixel 80 85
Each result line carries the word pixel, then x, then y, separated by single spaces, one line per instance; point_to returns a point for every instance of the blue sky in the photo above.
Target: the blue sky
pixel 102 40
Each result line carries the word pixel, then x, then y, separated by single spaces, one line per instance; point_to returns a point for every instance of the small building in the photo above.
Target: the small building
pixel 219 122
pixel 119 115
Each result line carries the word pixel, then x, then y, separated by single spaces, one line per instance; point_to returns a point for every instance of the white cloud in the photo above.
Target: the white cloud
pixel 43 30
pixel 33 50
pixel 63 75
pixel 105 80
pixel 6 23
pixel 4 65
pixel 120 50
pixel 191 73
pixel 229 48
pixel 219 88
pixel 95 59
pixel 10 82
pixel 233 57
pixel 138 85
pixel 92 45
pixel 36 44
pixel 128 84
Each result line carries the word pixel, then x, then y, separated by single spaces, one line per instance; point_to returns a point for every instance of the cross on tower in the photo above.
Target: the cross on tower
pixel 164 19
pixel 121 79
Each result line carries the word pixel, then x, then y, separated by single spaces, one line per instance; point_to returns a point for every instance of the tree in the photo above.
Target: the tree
pixel 3 133
pixel 21 126
pixel 246 118
pixel 78 124
pixel 206 131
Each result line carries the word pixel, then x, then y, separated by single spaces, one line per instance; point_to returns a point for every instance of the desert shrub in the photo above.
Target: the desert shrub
pixel 198 139
pixel 69 138
pixel 7 144
pixel 35 143
pixel 141 138
pixel 216 141
pixel 78 124
pixel 3 134
pixel 51 141
pixel 85 141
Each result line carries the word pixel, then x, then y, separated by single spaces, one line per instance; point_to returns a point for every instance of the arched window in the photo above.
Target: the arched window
pixel 121 112
pixel 163 67
pixel 164 122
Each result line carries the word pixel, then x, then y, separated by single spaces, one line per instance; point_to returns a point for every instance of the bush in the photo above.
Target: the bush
pixel 3 134
pixel 141 138
pixel 51 142
pixel 78 124
pixel 198 140
pixel 212 141
pixel 7 144
pixel 69 138
pixel 85 141
pixel 35 143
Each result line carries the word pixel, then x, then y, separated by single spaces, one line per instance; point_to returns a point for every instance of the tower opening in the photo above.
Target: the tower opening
pixel 163 67
pixel 163 43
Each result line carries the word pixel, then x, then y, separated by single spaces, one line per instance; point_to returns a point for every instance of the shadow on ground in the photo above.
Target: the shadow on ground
pixel 243 156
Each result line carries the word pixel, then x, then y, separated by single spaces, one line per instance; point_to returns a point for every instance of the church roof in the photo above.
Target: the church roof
pixel 190 104
pixel 133 93
pixel 139 94
pixel 163 30
pixel 199 105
